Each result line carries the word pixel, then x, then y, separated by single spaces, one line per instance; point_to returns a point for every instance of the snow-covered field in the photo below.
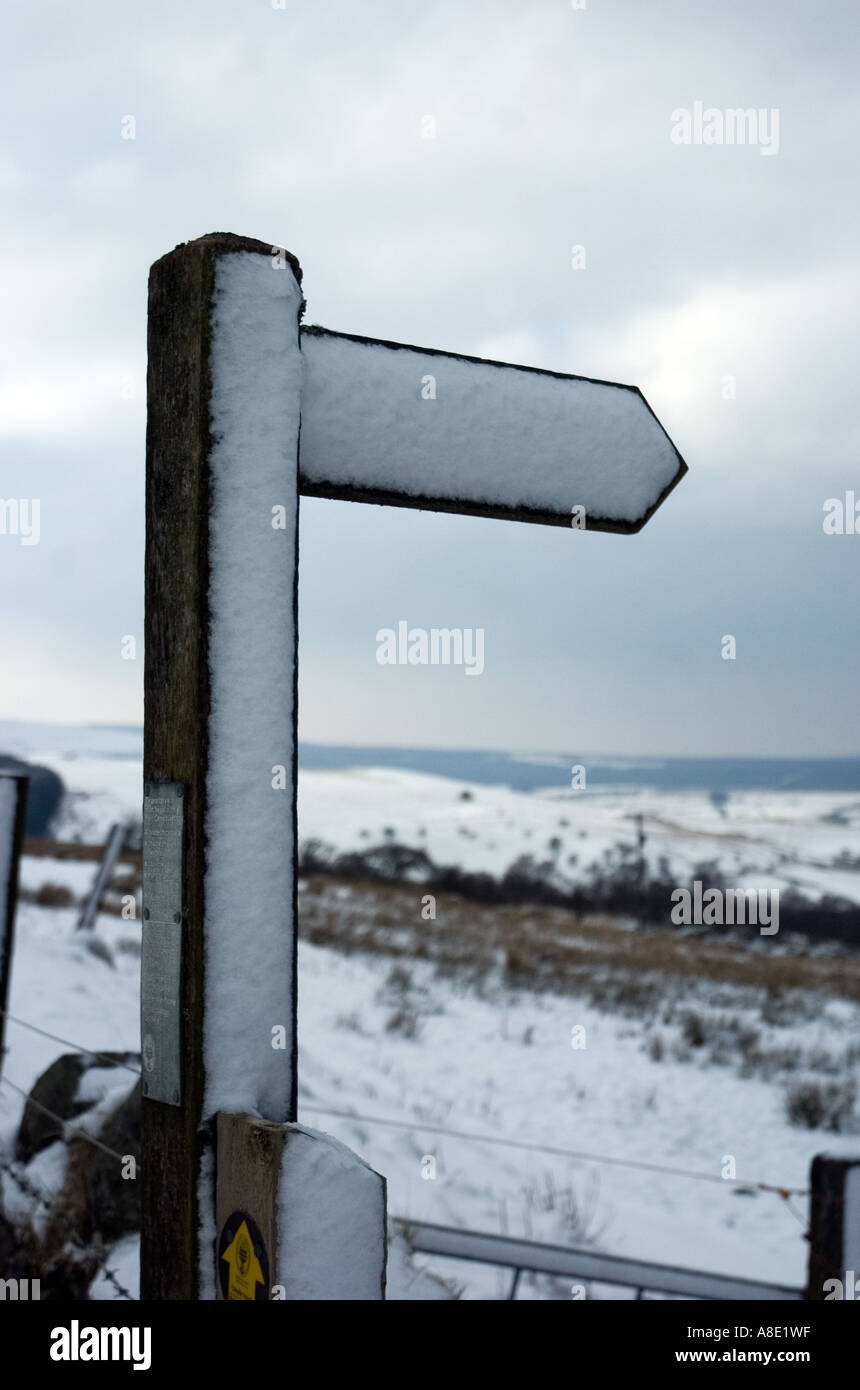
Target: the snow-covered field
pixel 759 840
pixel 487 1059
pixel 490 1062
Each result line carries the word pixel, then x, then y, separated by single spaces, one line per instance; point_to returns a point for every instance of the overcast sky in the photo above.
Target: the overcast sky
pixel 305 126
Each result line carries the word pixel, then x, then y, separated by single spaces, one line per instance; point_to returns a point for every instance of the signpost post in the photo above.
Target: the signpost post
pixel 246 410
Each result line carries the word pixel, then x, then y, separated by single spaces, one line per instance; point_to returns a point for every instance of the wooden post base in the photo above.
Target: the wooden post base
pixel 298 1215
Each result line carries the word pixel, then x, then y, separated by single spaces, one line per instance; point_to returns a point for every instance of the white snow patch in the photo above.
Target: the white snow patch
pixel 331 1221
pixel 104 1088
pixel 256 382
pixel 100 790
pixel 407 1280
pixel 472 1071
pixel 494 434
pixel 124 1262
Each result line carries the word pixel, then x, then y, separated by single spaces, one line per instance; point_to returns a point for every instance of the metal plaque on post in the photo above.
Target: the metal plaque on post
pixel 161 953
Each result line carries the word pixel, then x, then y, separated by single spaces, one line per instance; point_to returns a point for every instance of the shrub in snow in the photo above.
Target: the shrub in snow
pixel 693 1028
pixel 821 1104
pixel 404 1021
pixel 575 1212
pixel 54 895
pixel 93 1200
pixel 655 1047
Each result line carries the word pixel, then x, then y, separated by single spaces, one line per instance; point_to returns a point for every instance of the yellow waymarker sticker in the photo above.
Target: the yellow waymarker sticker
pixel 244 1269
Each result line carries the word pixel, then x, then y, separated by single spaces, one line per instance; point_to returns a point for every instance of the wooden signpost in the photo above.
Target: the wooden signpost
pixel 246 410
pixel 13 806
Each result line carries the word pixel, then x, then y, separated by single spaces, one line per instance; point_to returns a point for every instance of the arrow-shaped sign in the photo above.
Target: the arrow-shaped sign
pixel 244 1271
pixel 415 427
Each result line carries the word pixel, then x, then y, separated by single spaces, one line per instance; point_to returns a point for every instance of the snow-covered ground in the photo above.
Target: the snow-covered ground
pixel 759 840
pixel 487 1062
pixel 486 1059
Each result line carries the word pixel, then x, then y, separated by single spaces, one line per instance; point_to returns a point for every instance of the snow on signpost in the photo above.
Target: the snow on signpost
pixel 246 410
pixel 385 422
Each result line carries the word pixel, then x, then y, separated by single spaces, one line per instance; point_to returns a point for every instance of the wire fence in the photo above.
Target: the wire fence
pixel 557 1152
pixel 67 1132
pixel 87 1051
pixel 44 1202
pixel 782 1190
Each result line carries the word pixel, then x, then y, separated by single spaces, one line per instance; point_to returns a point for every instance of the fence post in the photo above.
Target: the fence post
pixel 834 1228
pixel 13 808
pixel 299 1216
pixel 113 846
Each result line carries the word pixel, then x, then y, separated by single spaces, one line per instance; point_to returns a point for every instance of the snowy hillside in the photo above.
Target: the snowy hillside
pixel 429 1026
pixel 801 840
pixel 761 840
pixel 392 1040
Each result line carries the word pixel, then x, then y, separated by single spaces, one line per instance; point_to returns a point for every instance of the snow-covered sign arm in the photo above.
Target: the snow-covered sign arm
pixel 414 427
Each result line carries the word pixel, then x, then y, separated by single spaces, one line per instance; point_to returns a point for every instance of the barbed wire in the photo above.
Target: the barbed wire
pixel 66 1132
pixel 42 1200
pixel 779 1189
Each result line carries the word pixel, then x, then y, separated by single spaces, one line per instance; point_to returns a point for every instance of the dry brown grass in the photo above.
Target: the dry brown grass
pixel 548 947
pixel 42 847
pixel 48 895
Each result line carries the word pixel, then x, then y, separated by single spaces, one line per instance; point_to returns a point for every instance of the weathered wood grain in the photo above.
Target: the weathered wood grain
pixel 176 707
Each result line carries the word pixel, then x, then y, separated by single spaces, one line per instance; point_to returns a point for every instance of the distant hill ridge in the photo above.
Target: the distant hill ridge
pixel 521 771
pixel 529 772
